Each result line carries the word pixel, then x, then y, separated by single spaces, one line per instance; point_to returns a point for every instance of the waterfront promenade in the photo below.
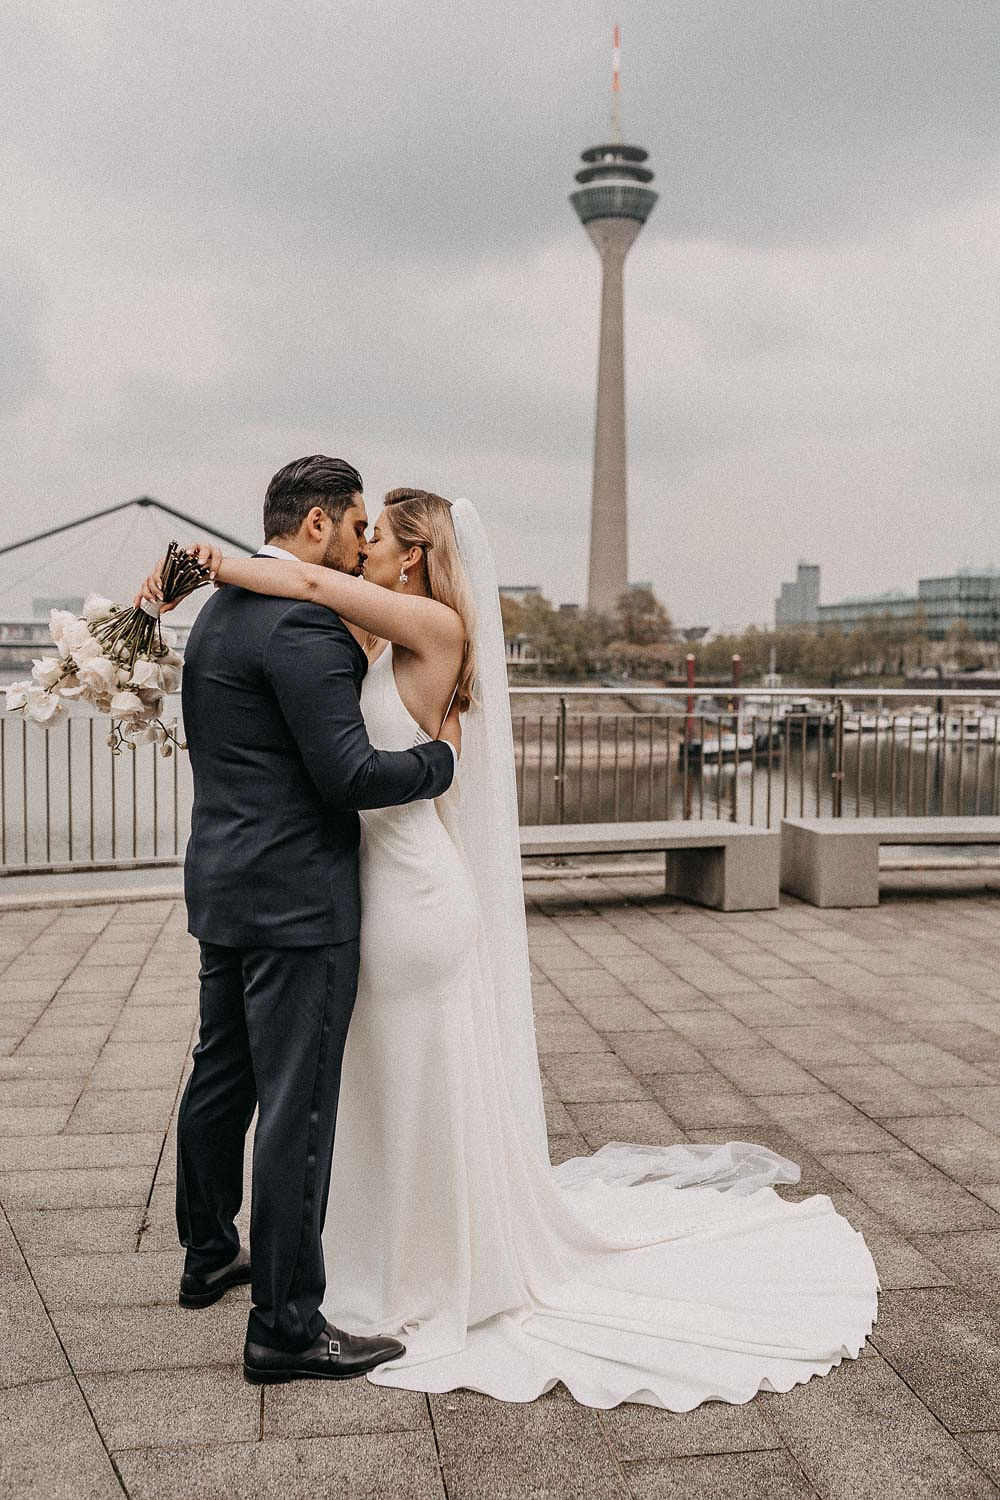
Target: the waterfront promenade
pixel 865 1045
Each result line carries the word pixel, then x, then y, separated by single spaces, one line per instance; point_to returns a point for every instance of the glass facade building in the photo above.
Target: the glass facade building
pixel 970 594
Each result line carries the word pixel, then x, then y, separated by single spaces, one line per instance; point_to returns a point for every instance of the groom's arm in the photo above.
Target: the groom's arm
pixel 312 663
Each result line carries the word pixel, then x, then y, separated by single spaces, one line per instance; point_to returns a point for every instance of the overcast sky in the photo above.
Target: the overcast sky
pixel 241 232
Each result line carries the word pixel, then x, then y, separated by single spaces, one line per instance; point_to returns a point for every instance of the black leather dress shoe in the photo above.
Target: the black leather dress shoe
pixel 334 1356
pixel 202 1288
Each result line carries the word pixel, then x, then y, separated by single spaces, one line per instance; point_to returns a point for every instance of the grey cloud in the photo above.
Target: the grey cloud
pixel 449 130
pixel 22 366
pixel 253 231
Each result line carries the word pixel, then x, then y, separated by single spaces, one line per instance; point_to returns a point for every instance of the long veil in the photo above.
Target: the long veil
pixel 481 815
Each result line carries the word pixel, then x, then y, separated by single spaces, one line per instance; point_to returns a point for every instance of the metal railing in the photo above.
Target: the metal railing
pixel 582 765
pixel 68 805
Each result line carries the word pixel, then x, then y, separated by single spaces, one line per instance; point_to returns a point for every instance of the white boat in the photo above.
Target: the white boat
pixel 720 746
pixel 884 723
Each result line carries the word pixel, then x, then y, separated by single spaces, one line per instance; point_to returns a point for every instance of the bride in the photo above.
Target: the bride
pixel 669 1276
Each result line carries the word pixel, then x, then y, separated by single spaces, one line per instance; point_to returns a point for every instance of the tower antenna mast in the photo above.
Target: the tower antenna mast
pixel 613 200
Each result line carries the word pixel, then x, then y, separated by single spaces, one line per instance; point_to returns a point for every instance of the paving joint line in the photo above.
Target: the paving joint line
pixel 932 1414
pixel 615 1456
pixel 97 935
pixel 69 1363
pixel 13 957
pixel 177 1091
pixel 437 1445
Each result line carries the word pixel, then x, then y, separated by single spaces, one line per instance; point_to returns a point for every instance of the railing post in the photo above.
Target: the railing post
pixel 560 776
pixel 688 720
pixel 838 759
pixel 736 707
pixel 737 726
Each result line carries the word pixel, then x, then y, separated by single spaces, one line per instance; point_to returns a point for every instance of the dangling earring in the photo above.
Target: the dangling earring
pixel 404 577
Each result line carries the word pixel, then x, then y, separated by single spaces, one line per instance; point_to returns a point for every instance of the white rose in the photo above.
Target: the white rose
pixel 171 659
pixel 97 609
pixel 59 622
pixel 124 705
pixel 17 696
pixel 47 672
pixel 170 677
pixel 99 675
pixel 42 706
pixel 145 674
pixel 74 634
pixel 86 651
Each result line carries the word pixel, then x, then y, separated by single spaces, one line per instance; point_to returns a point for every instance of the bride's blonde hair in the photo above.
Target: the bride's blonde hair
pixel 420 519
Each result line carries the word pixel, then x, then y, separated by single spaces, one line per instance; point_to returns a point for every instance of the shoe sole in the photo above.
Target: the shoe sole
pixel 282 1377
pixel 206 1299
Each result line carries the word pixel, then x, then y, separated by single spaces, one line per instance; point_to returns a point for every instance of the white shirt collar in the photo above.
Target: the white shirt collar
pixel 270 550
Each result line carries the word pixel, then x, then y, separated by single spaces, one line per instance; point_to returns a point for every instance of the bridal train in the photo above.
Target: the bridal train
pixel 669 1276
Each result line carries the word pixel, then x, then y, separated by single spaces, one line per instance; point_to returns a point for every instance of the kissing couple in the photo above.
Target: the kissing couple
pixel 353 877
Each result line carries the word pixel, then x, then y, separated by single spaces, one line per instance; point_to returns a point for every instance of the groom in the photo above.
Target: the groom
pixel 281 763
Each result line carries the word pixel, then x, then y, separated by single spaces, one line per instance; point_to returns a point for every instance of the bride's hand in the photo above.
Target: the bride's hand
pixel 152 590
pixel 451 729
pixel 209 556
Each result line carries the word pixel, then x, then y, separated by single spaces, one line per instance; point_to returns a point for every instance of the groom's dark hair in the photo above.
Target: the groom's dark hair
pixel 330 483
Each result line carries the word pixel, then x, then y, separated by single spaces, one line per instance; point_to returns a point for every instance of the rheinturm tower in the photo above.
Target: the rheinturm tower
pixel 613 202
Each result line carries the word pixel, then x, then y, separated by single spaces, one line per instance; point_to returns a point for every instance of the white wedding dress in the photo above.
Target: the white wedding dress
pixel 670 1276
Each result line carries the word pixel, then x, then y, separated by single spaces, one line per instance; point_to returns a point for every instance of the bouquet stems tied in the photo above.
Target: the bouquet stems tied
pixel 121 661
pixel 136 632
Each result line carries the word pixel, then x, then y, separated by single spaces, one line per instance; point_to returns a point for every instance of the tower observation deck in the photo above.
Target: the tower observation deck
pixel 613 202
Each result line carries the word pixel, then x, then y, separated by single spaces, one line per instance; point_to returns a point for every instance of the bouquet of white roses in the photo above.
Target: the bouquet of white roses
pixel 122 661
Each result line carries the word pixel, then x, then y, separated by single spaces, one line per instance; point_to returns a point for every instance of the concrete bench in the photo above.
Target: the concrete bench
pixel 834 861
pixel 726 865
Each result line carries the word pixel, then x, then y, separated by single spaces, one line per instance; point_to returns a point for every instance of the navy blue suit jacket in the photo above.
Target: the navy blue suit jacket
pixel 281 762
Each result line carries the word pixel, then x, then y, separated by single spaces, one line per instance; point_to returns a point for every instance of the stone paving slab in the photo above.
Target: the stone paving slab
pixel 304 1409
pixel 69 1231
pixel 549 1446
pixel 123 1280
pixel 44 1153
pixel 730 1476
pixel 861 1431
pixel 643 1432
pixel 971 1258
pixel 152 1338
pixel 75 1187
pixel 863 1045
pixel 166 1408
pixel 946 1345
pixel 383 1466
pixel 50 1448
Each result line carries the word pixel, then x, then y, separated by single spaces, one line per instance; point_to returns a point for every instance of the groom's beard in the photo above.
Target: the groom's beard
pixel 334 558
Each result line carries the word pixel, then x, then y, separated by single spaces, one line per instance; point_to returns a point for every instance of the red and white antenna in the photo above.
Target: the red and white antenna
pixel 616 86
